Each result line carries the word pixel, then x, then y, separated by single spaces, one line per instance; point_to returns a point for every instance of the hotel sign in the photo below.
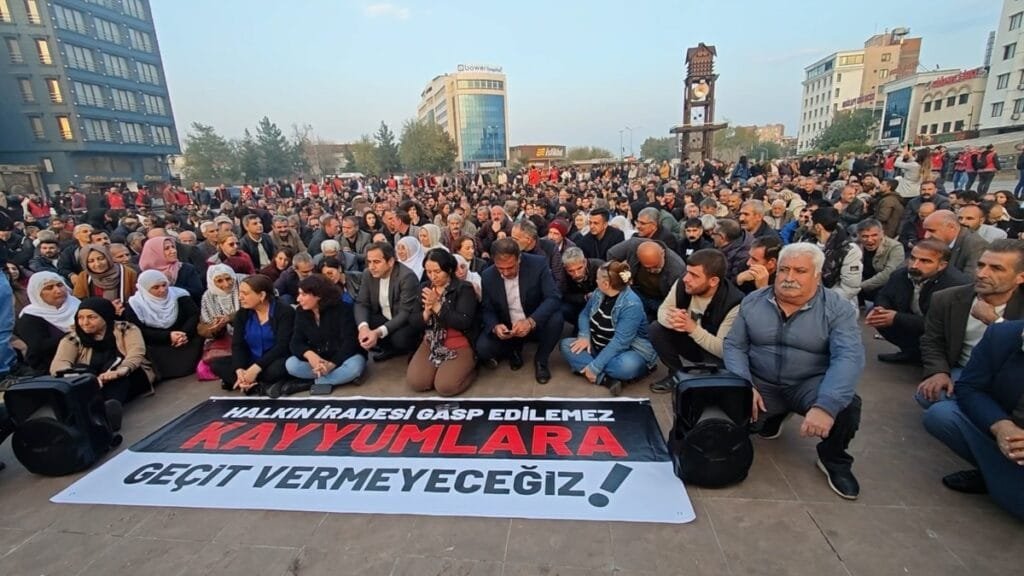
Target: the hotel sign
pixel 957 78
pixel 861 100
pixel 476 68
pixel 540 152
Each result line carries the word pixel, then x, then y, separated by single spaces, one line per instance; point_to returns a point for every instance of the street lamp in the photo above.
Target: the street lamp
pixel 630 130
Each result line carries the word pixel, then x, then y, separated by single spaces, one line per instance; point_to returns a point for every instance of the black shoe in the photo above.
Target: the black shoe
pixel 772 427
pixel 841 480
pixel 289 387
pixel 542 373
pixel 515 360
pixel 614 386
pixel 490 363
pixel 385 355
pixel 664 385
pixel 273 390
pixel 225 386
pixel 115 412
pixel 900 357
pixel 966 481
pixel 320 389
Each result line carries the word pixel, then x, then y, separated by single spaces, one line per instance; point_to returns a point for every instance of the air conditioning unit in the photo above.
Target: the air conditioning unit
pixel 1020 86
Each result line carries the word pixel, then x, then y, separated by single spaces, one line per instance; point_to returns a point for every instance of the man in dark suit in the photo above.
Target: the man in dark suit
pixel 524 232
pixel 600 237
pixel 387 297
pixel 520 303
pixel 903 302
pixel 255 242
pixel 958 317
pixel 965 244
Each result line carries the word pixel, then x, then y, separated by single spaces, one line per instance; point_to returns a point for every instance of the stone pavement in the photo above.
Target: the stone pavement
pixel 782 520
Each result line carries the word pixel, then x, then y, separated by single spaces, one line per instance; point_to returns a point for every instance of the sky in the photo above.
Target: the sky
pixel 578 73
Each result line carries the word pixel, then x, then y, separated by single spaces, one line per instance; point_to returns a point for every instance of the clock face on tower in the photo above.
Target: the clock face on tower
pixel 699 91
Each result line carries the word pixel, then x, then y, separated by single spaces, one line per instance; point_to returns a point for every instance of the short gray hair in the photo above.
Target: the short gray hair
pixel 302 258
pixel 804 249
pixel 651 213
pixel 330 246
pixel 280 218
pixel 573 254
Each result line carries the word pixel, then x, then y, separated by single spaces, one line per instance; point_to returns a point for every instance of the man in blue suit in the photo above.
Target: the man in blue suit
pixel 985 423
pixel 520 303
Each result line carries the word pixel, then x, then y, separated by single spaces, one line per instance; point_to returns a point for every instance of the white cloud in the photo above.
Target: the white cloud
pixel 387 10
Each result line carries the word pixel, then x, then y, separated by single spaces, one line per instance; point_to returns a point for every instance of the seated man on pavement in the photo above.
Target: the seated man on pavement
pixel 734 242
pixel 287 283
pixel 881 256
pixel 693 238
pixel 841 272
pixel 985 425
pixel 386 300
pixel 761 264
pixel 695 316
pixel 524 232
pixel 800 346
pixel 958 317
pixel 520 303
pixel 966 245
pixel 654 270
pixel 902 304
pixel 580 282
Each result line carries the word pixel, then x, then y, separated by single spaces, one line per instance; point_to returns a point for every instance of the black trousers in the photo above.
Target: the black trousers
pixel 224 368
pixel 984 181
pixel 781 400
pixel 671 344
pixel 127 387
pixel 546 335
pixel 404 340
pixel 908 342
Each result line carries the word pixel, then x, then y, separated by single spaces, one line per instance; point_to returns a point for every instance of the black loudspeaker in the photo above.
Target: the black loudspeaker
pixel 710 438
pixel 61 425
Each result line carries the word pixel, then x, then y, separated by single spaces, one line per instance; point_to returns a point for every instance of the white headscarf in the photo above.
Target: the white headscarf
pixel 152 311
pixel 217 302
pixel 415 260
pixel 62 318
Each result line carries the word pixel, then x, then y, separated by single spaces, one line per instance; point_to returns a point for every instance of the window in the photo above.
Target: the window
pixel 154 104
pixel 79 57
pixel 1002 81
pixel 69 19
pixel 116 66
pixel 963 98
pixel 162 135
pixel 883 73
pixel 851 60
pixel 1009 51
pixel 108 4
pixel 839 76
pixel 886 57
pixel 135 9
pixel 937 105
pixel 1015 20
pixel 36 123
pixel 997 109
pixel 14 49
pixel 25 86
pixel 43 49
pixel 924 129
pixel 140 40
pixel 32 8
pixel 108 31
pixel 935 129
pixel 133 132
pixel 946 126
pixel 64 127
pixel 123 100
pixel 5 11
pixel 958 125
pixel 148 73
pixel 927 106
pixel 1018 105
pixel 951 101
pixel 53 87
pixel 97 130
pixel 89 94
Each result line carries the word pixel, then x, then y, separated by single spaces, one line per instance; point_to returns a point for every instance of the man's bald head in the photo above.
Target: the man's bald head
pixel 651 256
pixel 942 225
pixel 156 233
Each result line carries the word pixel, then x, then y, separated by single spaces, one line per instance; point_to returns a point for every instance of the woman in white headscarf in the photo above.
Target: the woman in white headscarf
pixel 462 272
pixel 430 238
pixel 168 318
pixel 49 315
pixel 621 223
pixel 220 301
pixel 410 252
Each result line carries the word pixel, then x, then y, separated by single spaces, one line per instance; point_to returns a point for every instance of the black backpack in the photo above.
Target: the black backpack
pixel 710 438
pixel 61 424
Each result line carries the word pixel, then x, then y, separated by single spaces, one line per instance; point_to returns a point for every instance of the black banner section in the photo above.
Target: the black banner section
pixel 428 428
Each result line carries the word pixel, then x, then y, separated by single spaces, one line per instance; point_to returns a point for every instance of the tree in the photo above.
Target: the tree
pixel 766 150
pixel 659 149
pixel 387 150
pixel 277 155
pixel 249 158
pixel 849 130
pixel 577 153
pixel 209 157
pixel 426 147
pixel 734 141
pixel 365 157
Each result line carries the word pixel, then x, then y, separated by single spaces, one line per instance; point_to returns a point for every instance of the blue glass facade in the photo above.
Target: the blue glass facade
pixel 897 111
pixel 482 130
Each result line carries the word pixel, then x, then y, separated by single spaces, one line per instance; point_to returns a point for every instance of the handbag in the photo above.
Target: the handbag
pixel 215 348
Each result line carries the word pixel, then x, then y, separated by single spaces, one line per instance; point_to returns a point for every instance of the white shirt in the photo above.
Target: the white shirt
pixel 515 303
pixel 973 333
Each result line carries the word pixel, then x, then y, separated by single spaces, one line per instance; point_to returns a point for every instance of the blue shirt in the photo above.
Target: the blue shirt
pixel 259 337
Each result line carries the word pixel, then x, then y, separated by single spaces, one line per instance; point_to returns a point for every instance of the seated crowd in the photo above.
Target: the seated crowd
pixel 765 277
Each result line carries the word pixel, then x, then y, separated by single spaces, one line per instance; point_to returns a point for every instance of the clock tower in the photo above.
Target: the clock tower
pixel 697 133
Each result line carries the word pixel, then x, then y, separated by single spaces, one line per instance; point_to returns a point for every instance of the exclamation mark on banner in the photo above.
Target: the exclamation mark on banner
pixel 611 483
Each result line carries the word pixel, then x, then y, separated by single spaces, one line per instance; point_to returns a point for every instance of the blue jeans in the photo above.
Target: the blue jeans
pixel 349 370
pixel 925 403
pixel 7 354
pixel 1018 190
pixel 959 180
pixel 1005 479
pixel 628 365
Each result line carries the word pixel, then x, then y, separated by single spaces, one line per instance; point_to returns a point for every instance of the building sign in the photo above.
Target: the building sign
pixel 539 152
pixel 861 100
pixel 14 168
pixel 111 178
pixel 957 78
pixel 475 68
pixel 153 178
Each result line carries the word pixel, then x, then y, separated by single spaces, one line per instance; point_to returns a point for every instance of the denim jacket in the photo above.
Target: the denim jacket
pixel 630 324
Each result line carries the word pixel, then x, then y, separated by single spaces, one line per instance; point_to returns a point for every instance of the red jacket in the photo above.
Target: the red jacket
pixel 115 200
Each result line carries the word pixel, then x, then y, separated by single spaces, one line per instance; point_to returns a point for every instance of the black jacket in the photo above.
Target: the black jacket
pixel 251 247
pixel 537 293
pixel 458 310
pixel 334 339
pixel 187 322
pixel 576 292
pixel 282 323
pixel 41 340
pixel 898 292
pixel 593 247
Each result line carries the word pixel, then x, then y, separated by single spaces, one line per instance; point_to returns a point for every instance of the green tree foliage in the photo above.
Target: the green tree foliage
pixel 425 147
pixel 279 158
pixel 364 156
pixel 209 157
pixel 578 153
pixel 732 142
pixel 659 149
pixel 249 158
pixel 387 150
pixel 849 132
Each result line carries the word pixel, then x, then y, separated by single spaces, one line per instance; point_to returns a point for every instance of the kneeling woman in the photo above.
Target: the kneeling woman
pixel 48 317
pixel 259 343
pixel 168 318
pixel 447 311
pixel 612 345
pixel 114 351
pixel 325 344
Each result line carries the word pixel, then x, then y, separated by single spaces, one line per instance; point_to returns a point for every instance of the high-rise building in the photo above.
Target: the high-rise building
pixel 827 83
pixel 934 107
pixel 84 92
pixel 471 105
pixel 887 57
pixel 771 133
pixel 1003 107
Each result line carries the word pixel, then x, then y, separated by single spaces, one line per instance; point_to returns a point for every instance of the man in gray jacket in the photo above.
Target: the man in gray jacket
pixel 881 256
pixel 800 346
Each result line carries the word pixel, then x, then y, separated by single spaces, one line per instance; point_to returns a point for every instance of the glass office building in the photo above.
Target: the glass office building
pixel 482 127
pixel 471 105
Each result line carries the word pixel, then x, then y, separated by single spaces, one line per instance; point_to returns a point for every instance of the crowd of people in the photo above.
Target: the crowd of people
pixel 766 269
